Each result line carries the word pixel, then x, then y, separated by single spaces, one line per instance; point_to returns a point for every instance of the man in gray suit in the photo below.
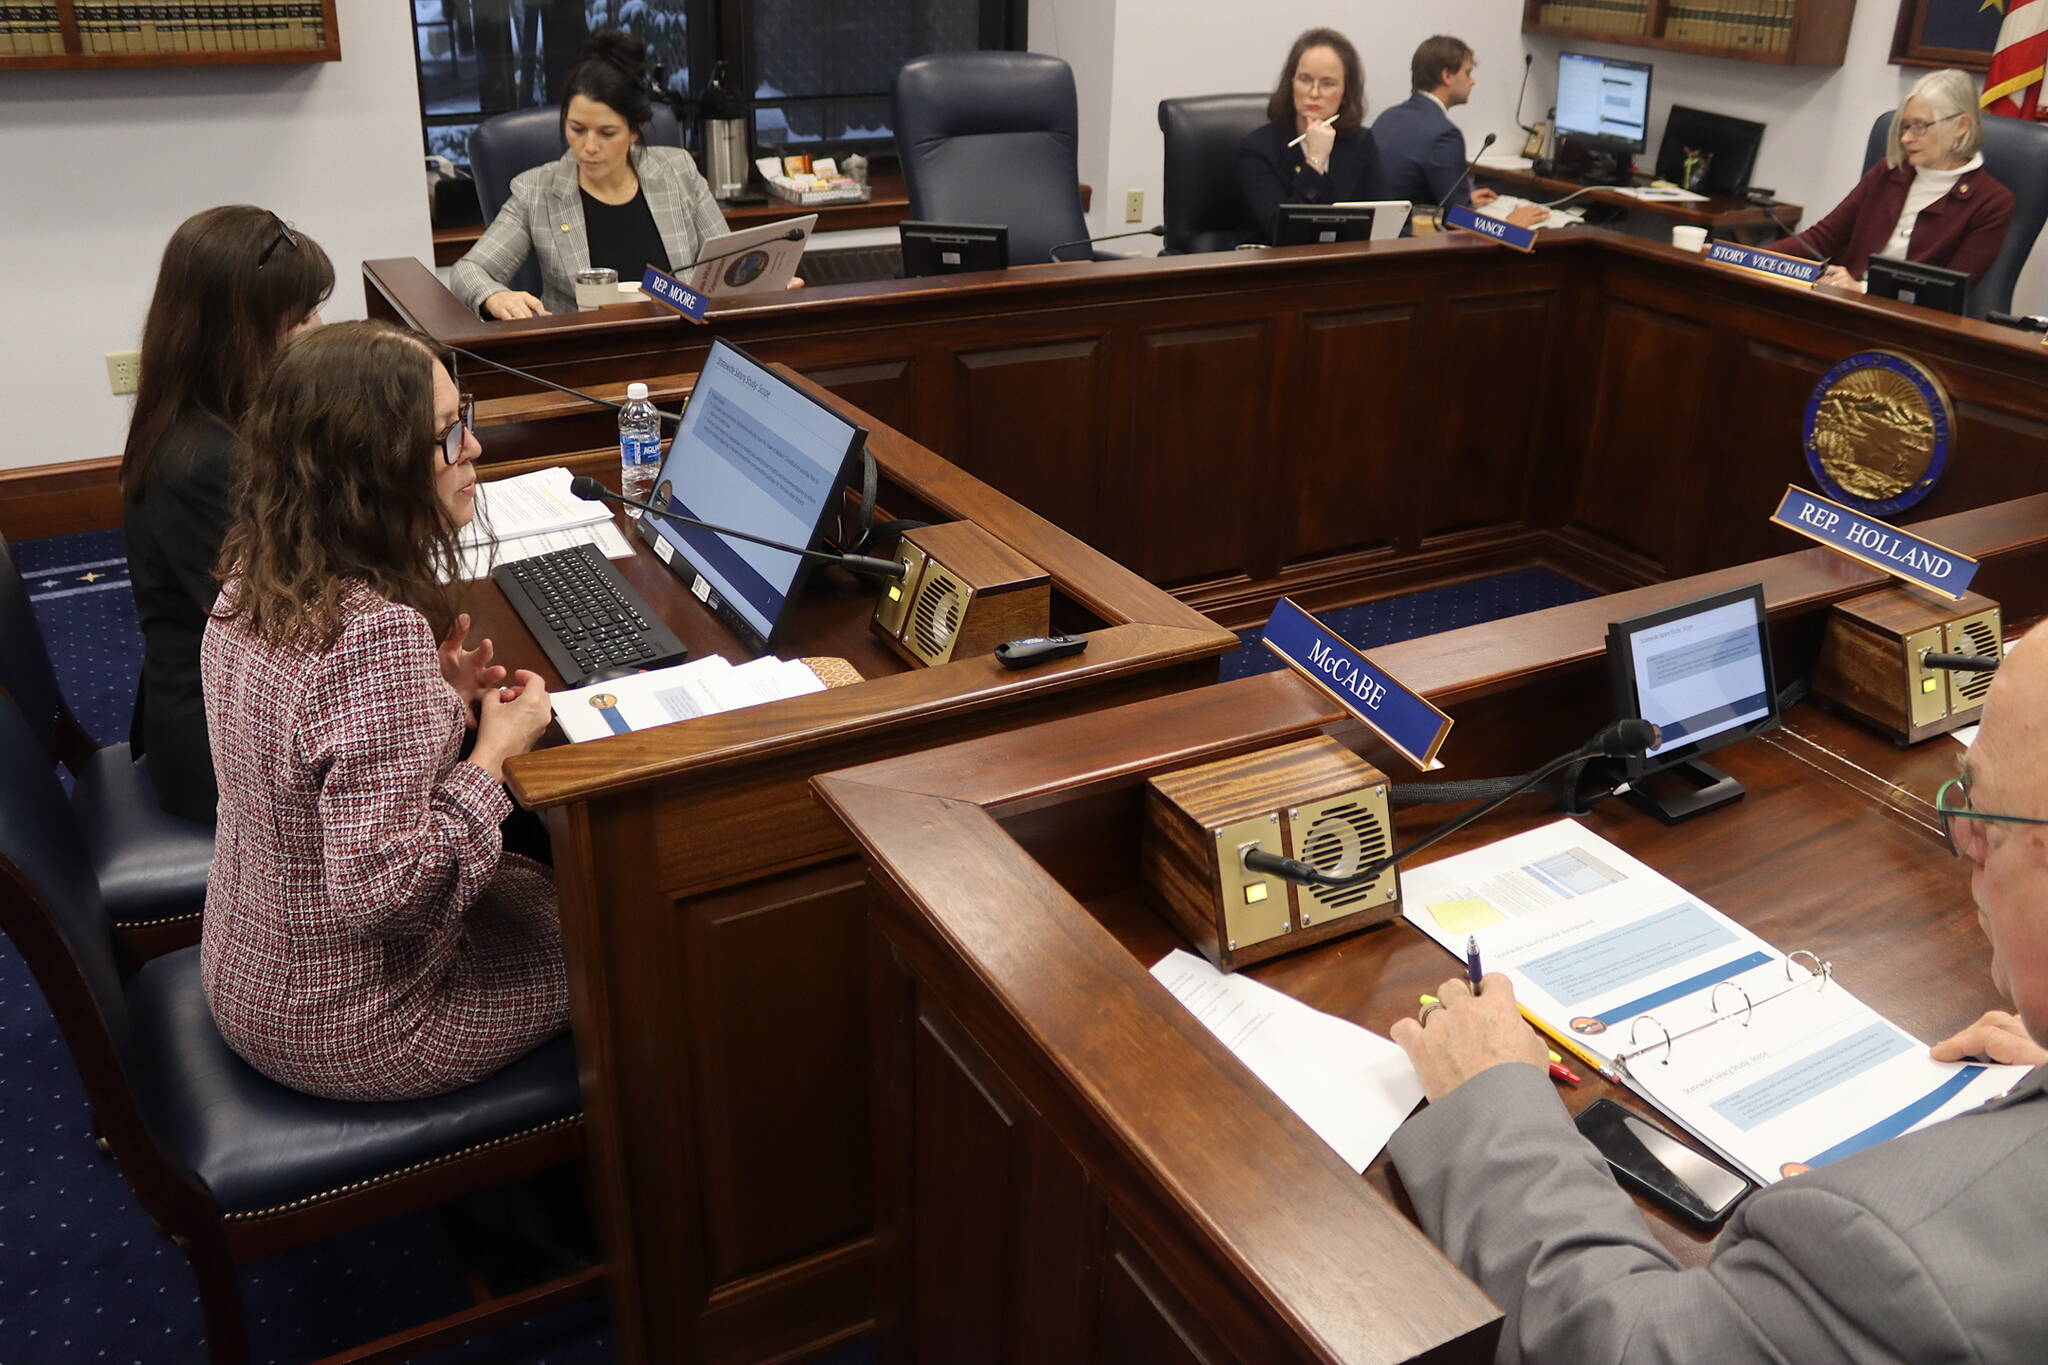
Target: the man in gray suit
pixel 1926 1248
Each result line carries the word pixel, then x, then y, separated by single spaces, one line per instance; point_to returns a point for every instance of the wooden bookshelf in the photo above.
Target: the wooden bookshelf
pixel 82 34
pixel 1777 32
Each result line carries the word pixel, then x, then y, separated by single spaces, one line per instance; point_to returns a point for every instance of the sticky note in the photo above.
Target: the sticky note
pixel 1464 916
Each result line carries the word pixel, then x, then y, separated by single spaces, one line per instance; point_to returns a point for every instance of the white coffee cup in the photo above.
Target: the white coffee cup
pixel 1689 238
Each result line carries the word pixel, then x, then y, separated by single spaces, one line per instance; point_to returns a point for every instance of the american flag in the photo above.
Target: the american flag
pixel 2013 85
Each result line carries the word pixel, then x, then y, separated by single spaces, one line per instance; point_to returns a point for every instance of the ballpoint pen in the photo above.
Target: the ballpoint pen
pixel 1473 972
pixel 1319 123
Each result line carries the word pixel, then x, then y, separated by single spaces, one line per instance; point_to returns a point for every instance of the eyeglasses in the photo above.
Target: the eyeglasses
pixel 1918 126
pixel 451 439
pixel 284 234
pixel 1952 803
pixel 1325 85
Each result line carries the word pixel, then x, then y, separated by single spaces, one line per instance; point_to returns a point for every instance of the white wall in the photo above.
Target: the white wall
pixel 1817 117
pixel 101 166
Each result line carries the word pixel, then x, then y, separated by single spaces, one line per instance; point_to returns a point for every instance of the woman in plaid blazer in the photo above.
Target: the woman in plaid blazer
pixel 366 935
pixel 609 201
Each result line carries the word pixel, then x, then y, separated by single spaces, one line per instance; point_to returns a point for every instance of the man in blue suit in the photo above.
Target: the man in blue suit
pixel 1422 153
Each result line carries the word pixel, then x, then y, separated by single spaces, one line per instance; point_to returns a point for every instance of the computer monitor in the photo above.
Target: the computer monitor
pixel 1730 145
pixel 1603 97
pixel 950 248
pixel 1930 286
pixel 758 454
pixel 1701 672
pixel 1308 224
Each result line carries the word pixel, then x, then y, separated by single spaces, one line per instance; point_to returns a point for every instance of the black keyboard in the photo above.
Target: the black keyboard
pixel 585 615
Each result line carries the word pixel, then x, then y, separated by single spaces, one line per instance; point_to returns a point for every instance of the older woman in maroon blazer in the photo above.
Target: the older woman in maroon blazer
pixel 1929 201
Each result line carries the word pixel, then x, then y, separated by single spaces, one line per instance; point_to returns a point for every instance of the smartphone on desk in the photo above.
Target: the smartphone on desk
pixel 1650 1162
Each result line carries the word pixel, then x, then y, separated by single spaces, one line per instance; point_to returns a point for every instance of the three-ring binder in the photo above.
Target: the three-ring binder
pixel 1817 976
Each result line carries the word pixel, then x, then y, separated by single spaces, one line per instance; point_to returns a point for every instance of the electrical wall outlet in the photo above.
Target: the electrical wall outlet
pixel 1134 206
pixel 124 371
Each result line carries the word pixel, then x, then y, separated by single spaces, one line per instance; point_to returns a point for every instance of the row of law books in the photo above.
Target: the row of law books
pixel 1738 25
pixel 1597 16
pixel 112 27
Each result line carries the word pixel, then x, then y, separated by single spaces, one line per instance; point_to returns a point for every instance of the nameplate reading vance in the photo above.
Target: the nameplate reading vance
pixel 1400 717
pixel 1757 261
pixel 1870 541
pixel 1492 229
pixel 663 287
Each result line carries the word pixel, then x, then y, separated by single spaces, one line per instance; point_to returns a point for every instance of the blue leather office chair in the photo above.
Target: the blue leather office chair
pixel 150 866
pixel 503 146
pixel 234 1166
pixel 2016 156
pixel 1204 204
pixel 992 137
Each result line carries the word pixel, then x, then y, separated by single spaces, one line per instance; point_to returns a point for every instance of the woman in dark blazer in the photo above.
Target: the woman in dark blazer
pixel 1929 201
pixel 1333 163
pixel 236 283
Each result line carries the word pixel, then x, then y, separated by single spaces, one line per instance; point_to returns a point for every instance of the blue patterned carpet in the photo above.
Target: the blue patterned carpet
pixel 83 1275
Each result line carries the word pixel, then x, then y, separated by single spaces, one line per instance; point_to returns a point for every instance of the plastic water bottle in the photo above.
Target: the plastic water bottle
pixel 639 444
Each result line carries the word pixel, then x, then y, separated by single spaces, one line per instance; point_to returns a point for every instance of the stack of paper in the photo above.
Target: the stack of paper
pixel 701 687
pixel 1350 1085
pixel 530 515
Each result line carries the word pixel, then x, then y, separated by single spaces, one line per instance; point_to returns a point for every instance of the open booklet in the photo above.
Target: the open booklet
pixel 1763 1055
pixel 701 687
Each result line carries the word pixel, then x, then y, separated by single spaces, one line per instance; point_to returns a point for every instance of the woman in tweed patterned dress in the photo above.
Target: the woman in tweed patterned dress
pixel 367 938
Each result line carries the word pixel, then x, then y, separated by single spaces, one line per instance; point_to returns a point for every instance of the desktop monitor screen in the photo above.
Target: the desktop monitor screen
pixel 1603 97
pixel 1700 671
pixel 1730 144
pixel 950 248
pixel 758 454
pixel 1308 224
pixel 1930 286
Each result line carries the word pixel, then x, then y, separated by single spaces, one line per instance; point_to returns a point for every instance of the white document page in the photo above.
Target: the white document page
pixel 1353 1087
pixel 701 687
pixel 1592 938
pixel 529 505
pixel 1506 204
pixel 1811 1077
pixel 1661 194
pixel 479 559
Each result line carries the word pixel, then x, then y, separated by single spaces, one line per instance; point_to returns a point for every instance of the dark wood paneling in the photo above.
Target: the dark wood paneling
pixel 1647 387
pixel 1732 525
pixel 1029 419
pixel 780 1045
pixel 883 387
pixel 1140 1318
pixel 1203 495
pixel 1348 444
pixel 1488 448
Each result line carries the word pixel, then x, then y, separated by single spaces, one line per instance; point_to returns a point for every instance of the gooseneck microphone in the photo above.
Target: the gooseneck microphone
pixel 1629 738
pixel 590 490
pixel 1528 60
pixel 488 363
pixel 1459 183
pixel 1159 231
pixel 1961 663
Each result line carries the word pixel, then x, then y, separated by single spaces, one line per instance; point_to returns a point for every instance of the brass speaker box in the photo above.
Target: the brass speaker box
pixel 963 592
pixel 1313 800
pixel 1871 661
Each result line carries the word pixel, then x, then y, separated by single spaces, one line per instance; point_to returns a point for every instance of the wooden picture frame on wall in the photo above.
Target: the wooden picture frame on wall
pixel 1936 33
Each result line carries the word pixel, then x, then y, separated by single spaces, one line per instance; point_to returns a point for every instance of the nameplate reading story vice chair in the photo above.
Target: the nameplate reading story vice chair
pixel 2016 156
pixel 233 1166
pixel 150 865
pixel 991 137
pixel 1203 203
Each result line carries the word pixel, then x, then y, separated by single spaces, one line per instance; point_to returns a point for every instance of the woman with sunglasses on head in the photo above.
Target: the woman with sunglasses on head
pixel 236 283
pixel 1929 201
pixel 367 936
pixel 1314 147
pixel 609 200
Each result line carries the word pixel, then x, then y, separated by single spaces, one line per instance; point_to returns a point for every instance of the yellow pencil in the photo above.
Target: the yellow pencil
pixel 1605 1071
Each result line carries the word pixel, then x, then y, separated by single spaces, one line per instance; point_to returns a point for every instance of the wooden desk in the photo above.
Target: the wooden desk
pixel 1069 1167
pixel 1721 215
pixel 1330 422
pixel 714 926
